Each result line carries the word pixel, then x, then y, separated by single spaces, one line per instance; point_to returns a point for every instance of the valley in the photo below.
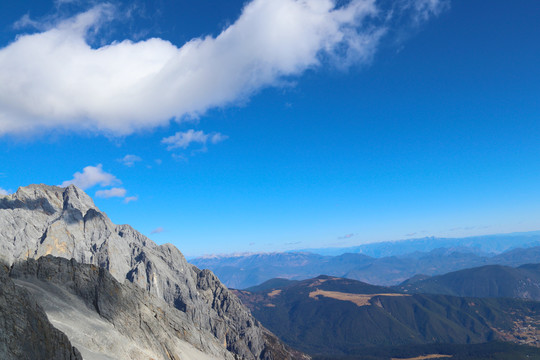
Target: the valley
pixel 336 316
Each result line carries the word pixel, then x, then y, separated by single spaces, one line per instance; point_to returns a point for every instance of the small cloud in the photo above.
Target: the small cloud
pixel 347 236
pixel 183 139
pixel 157 230
pixel 251 243
pixel 130 160
pixel 217 137
pixel 92 176
pixel 129 199
pixel 423 10
pixel 26 22
pixel 109 193
pixel 158 161
pixel 180 157
pixel 410 234
pixel 3 192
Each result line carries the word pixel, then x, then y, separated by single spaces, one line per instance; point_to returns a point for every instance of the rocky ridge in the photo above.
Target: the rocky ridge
pixel 25 331
pixel 40 220
pixel 107 319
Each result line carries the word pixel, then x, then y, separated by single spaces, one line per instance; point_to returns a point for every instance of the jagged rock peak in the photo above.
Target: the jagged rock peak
pixel 40 220
pixel 50 199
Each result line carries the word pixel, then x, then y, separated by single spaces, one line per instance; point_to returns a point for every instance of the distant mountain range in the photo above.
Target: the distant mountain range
pixel 485 244
pixel 243 271
pixel 329 316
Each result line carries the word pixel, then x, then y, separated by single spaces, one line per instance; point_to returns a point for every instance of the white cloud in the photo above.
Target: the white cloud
pixel 157 230
pixel 92 176
pixel 130 160
pixel 186 138
pixel 113 192
pixel 423 10
pixel 3 192
pixel 26 21
pixel 217 137
pixel 129 199
pixel 55 79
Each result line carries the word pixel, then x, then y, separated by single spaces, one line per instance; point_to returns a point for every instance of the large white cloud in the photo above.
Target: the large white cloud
pixel 55 79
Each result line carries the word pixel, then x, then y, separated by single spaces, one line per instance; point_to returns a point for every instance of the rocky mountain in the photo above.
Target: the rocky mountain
pixel 25 331
pixel 107 319
pixel 40 220
pixel 341 317
pixel 244 271
pixel 486 281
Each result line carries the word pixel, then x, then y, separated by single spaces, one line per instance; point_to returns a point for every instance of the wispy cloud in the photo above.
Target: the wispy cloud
pixel 423 10
pixel 25 21
pixel 157 230
pixel 293 243
pixel 347 236
pixel 109 193
pixel 467 228
pixel 128 86
pixel 129 199
pixel 3 191
pixel 186 138
pixel 92 176
pixel 130 160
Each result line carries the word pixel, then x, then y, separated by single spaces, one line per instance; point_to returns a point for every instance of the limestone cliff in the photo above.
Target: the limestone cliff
pixel 25 331
pixel 106 319
pixel 41 220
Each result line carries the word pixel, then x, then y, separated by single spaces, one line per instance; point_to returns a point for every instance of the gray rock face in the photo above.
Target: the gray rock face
pixel 25 331
pixel 106 319
pixel 41 220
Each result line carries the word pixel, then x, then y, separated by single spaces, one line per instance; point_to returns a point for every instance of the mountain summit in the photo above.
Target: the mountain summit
pixel 40 220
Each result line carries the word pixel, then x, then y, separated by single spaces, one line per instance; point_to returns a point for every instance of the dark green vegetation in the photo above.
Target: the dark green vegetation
pixel 486 281
pixel 337 317
pixel 241 272
pixel 276 283
pixel 486 351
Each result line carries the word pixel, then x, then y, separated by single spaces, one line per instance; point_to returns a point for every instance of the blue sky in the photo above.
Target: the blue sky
pixel 290 124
